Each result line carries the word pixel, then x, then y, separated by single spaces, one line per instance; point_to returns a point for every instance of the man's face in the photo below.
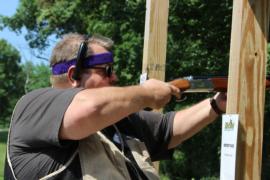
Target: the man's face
pixel 97 77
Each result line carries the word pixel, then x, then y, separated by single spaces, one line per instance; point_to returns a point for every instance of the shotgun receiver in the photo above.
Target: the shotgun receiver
pixel 192 84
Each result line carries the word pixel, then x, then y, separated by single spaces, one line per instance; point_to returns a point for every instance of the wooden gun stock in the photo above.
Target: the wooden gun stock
pixel 195 84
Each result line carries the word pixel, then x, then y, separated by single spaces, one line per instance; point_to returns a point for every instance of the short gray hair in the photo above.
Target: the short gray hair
pixel 67 48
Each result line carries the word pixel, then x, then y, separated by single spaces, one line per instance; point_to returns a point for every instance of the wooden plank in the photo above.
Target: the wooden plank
pixel 155 41
pixel 246 86
pixel 155 38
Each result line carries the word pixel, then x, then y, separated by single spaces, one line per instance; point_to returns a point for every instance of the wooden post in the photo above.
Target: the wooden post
pixel 155 38
pixel 155 41
pixel 246 86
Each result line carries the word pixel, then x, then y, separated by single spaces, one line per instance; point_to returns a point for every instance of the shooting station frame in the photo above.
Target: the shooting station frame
pixel 247 72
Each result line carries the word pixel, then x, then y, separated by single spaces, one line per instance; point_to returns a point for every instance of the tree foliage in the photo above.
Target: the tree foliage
pixel 198 41
pixel 17 79
pixel 36 76
pixel 11 87
pixel 123 21
pixel 198 44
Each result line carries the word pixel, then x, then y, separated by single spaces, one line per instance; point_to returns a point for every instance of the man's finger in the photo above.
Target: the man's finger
pixel 174 91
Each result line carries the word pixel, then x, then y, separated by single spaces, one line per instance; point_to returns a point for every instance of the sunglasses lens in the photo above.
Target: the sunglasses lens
pixel 109 70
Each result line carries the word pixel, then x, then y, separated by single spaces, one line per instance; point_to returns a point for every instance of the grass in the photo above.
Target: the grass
pixel 3 139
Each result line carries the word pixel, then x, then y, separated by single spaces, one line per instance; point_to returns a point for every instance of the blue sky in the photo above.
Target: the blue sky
pixel 8 8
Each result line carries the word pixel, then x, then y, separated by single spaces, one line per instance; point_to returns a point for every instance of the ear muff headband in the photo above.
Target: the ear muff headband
pixel 79 60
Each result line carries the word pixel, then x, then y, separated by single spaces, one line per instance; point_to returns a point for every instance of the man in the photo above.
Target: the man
pixel 84 128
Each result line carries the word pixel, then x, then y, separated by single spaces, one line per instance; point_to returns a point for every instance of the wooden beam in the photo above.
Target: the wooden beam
pixel 246 86
pixel 155 38
pixel 155 41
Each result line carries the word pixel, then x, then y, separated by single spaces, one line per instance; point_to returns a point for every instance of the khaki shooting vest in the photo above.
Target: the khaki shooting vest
pixel 101 159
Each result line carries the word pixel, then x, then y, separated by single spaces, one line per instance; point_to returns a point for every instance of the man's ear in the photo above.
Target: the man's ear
pixel 70 74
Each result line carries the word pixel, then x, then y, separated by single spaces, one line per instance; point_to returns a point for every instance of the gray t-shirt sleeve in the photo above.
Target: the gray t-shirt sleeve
pixel 34 147
pixel 38 117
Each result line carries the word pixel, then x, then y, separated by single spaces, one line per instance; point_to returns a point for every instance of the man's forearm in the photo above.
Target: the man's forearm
pixel 94 109
pixel 190 121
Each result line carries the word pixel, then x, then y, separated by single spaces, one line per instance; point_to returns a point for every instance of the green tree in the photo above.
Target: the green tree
pixel 198 41
pixel 36 76
pixel 123 21
pixel 11 79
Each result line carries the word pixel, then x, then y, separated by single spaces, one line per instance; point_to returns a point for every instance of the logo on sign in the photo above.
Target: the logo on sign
pixel 229 125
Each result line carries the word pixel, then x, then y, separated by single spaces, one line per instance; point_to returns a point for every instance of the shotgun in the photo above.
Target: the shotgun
pixel 194 84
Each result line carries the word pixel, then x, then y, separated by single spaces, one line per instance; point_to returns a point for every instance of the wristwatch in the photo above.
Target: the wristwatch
pixel 215 107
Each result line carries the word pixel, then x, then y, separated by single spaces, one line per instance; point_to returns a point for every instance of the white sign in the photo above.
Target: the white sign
pixel 143 78
pixel 229 146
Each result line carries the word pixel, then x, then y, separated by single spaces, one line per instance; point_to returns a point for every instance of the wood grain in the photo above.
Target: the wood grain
pixel 155 38
pixel 155 41
pixel 246 85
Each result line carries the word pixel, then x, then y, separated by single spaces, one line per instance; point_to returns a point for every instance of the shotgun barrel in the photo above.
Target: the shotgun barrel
pixel 194 84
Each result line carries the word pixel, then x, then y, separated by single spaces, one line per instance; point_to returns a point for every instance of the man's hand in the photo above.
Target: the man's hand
pixel 160 92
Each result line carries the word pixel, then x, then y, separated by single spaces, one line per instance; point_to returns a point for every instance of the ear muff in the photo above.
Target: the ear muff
pixel 79 60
